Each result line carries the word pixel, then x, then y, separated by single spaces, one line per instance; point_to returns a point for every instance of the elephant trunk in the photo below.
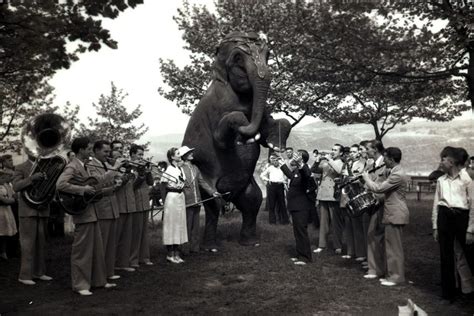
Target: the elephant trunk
pixel 260 89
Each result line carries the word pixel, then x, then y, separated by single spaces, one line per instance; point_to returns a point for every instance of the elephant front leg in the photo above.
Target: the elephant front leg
pixel 249 202
pixel 226 134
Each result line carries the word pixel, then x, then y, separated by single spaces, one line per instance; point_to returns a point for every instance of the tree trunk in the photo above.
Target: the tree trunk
pixel 378 135
pixel 470 76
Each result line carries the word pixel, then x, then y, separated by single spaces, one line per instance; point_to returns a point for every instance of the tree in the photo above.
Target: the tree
pixel 322 55
pixel 36 39
pixel 112 120
pixel 22 103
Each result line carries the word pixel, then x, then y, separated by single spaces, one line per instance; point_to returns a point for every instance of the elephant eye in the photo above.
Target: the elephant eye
pixel 239 60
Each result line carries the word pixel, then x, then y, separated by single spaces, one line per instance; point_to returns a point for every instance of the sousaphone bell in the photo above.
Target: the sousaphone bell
pixel 43 138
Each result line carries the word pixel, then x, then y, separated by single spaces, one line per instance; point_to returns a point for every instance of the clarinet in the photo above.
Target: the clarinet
pixel 360 176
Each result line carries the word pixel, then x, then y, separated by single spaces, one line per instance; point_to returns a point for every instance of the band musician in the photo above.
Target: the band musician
pixel 87 254
pixel 33 225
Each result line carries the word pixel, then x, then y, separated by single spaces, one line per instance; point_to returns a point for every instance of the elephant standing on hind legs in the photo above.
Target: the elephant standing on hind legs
pixel 228 126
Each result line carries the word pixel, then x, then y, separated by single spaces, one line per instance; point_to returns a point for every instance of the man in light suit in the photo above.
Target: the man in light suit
pixel 375 232
pixel 33 224
pixel 126 202
pixel 140 250
pixel 87 253
pixel 107 207
pixel 395 214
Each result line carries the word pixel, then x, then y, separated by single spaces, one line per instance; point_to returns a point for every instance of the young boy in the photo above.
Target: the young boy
pixel 453 215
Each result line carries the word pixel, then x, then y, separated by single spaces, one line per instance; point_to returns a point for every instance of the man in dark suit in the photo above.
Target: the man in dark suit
pixel 299 203
pixel 395 214
pixel 33 226
pixel 87 253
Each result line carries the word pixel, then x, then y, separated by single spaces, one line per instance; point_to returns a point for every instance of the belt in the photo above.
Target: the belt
pixel 454 209
pixel 174 190
pixel 270 182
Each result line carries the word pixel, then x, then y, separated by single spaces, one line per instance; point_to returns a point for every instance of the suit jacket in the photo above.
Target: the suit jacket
pixel 75 170
pixel 193 183
pixel 107 207
pixel 394 189
pixel 21 181
pixel 297 197
pixel 331 170
pixel 141 188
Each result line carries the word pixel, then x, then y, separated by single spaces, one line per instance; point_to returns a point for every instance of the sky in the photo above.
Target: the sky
pixel 144 35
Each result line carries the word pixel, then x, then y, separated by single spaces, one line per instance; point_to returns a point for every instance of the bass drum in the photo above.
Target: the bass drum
pixel 360 200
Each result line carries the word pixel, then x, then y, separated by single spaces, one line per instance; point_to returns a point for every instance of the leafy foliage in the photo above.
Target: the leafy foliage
pixel 16 107
pixel 112 120
pixel 345 63
pixel 37 39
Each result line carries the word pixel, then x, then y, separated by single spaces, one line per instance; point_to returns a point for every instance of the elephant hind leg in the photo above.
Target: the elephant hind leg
pixel 249 202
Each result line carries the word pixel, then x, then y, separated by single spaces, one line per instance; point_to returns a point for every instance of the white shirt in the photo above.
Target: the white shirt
pixel 457 192
pixel 273 174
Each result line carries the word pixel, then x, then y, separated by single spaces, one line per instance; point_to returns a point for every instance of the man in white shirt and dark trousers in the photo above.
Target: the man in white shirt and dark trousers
pixel 453 215
pixel 275 180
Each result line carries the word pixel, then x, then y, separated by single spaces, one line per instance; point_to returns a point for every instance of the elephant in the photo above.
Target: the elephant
pixel 227 128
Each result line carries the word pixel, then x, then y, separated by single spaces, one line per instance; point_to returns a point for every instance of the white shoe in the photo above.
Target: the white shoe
pixel 172 259
pixel 45 277
pixel 382 280
pixel 388 283
pixel 84 292
pixel 149 263
pixel 178 259
pixel 360 259
pixel 346 257
pixel 318 250
pixel 114 277
pixel 128 269
pixel 294 259
pixel 109 285
pixel 300 263
pixel 338 251
pixel 27 282
pixel 370 276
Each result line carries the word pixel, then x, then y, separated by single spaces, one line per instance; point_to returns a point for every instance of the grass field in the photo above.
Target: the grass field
pixel 240 280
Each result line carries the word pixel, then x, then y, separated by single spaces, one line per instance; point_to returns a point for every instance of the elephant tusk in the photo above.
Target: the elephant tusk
pixel 250 140
pixel 270 145
pixel 257 137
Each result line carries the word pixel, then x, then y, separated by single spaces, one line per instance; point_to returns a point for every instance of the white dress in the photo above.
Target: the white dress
pixel 174 218
pixel 7 221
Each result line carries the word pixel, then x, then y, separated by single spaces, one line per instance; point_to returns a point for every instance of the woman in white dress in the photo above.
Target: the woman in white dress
pixel 174 218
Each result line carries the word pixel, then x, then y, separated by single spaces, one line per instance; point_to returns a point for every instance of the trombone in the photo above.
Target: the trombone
pixel 154 169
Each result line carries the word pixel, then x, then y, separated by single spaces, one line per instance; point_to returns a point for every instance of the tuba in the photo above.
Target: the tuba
pixel 43 137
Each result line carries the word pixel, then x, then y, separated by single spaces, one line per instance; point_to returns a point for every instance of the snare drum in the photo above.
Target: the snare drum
pixel 360 200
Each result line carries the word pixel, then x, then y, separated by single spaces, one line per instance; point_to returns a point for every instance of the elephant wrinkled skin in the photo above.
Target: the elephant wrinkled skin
pixel 228 126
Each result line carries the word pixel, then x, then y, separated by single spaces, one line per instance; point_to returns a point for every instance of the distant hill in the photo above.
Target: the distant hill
pixel 420 142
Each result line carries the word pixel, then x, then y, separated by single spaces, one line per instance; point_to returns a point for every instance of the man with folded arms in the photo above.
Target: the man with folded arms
pixel 275 180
